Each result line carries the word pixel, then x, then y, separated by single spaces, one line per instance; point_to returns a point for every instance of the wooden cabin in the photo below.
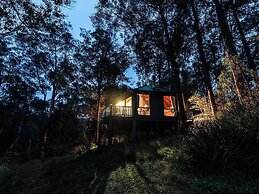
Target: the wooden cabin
pixel 144 112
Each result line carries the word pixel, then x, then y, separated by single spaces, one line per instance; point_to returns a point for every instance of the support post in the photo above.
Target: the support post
pixel 110 132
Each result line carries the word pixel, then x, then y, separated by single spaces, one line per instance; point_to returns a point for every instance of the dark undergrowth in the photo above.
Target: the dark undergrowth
pixel 154 167
pixel 230 143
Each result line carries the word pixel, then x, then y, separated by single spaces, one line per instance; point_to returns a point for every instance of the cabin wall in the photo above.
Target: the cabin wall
pixel 138 126
pixel 156 106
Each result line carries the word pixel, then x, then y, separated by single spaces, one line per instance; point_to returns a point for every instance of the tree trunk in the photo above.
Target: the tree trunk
pixel 181 111
pixel 174 45
pixel 229 45
pixel 158 67
pixel 44 98
pixel 98 140
pixel 249 57
pixel 52 102
pixel 204 64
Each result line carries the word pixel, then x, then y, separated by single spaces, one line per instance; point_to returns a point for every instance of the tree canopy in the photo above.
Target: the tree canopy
pixel 204 49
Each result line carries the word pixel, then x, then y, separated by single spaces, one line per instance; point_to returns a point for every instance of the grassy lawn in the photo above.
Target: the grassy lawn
pixel 152 167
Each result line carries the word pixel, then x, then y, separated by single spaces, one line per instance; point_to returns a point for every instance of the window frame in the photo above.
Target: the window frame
pixel 143 110
pixel 172 109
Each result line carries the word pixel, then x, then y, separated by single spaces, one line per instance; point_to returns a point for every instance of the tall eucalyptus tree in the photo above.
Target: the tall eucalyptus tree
pixel 102 63
pixel 204 64
pixel 235 6
pixel 230 50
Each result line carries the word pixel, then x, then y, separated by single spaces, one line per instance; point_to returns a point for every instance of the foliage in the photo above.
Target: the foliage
pixel 4 171
pixel 39 71
pixel 102 61
pixel 39 56
pixel 4 176
pixel 229 143
pixel 200 103
pixel 35 57
pixel 120 169
pixel 63 125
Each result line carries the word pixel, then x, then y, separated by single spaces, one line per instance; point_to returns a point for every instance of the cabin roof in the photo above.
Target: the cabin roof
pixel 146 89
pixel 152 89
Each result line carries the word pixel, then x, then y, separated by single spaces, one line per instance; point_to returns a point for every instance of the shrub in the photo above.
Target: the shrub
pixel 4 173
pixel 63 125
pixel 231 142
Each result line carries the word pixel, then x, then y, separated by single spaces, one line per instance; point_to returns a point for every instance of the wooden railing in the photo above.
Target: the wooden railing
pixel 126 111
pixel 118 111
pixel 122 111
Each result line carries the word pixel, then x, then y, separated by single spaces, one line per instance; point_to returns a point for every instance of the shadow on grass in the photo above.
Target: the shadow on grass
pixel 91 172
pixel 146 168
pixel 103 162
pixel 149 185
pixel 88 173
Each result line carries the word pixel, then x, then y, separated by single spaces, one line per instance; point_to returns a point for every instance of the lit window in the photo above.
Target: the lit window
pixel 123 108
pixel 129 101
pixel 169 108
pixel 143 105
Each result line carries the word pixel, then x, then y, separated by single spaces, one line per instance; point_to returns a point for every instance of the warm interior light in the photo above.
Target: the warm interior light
pixel 143 104
pixel 129 101
pixel 143 100
pixel 120 103
pixel 169 106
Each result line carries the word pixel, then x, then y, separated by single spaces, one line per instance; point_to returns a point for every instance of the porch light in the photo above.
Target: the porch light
pixel 120 103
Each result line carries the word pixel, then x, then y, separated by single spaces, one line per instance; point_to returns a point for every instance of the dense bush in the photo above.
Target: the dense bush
pixel 231 142
pixel 22 131
pixel 4 173
pixel 63 126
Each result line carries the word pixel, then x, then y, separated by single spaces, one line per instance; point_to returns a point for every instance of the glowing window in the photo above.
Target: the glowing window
pixel 143 105
pixel 129 101
pixel 169 108
pixel 123 108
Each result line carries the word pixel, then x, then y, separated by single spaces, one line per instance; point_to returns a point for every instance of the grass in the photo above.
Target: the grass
pixel 152 167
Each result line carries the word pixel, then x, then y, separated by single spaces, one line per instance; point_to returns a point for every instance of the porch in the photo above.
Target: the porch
pixel 117 111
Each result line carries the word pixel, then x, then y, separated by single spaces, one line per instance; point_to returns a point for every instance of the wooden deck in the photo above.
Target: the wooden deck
pixel 117 111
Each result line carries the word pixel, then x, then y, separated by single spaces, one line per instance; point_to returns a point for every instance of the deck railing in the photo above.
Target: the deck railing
pixel 118 111
pixel 126 111
pixel 122 111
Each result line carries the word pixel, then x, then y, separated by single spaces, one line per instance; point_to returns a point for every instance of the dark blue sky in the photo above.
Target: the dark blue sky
pixel 79 15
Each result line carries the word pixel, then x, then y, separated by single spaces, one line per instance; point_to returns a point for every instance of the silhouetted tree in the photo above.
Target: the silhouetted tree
pixel 102 63
pixel 204 64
